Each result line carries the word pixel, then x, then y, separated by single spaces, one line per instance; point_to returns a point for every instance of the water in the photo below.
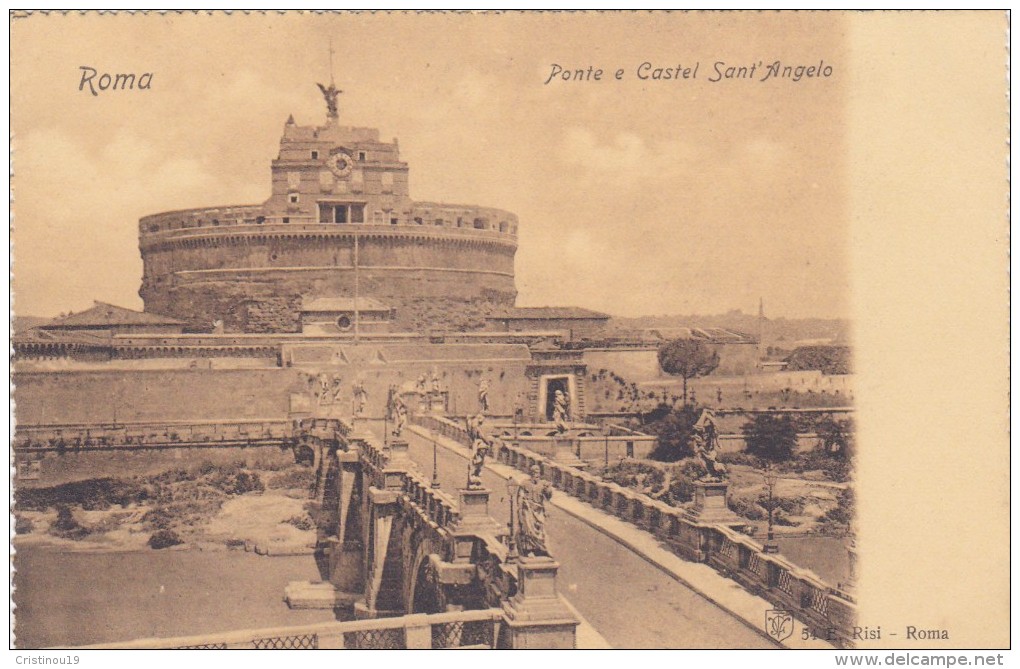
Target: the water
pixel 76 598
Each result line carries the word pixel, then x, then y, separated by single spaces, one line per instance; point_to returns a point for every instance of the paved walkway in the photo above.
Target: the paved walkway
pixel 634 592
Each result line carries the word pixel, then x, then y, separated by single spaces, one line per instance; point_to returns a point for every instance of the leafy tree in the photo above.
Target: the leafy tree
pixel 771 436
pixel 837 437
pixel 674 429
pixel 688 359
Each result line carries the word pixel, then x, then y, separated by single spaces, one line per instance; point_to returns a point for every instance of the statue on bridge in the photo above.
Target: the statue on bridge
pixel 480 448
pixel 706 446
pixel 422 386
pixel 561 411
pixel 531 497
pixel 435 381
pixel 399 415
pixel 483 396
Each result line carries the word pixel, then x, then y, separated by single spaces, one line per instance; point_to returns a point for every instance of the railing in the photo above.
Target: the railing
pixel 155 434
pixel 736 555
pixel 438 509
pixel 459 629
pixel 304 225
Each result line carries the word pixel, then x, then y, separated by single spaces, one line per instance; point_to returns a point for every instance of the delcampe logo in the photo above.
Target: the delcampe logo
pixel 778 624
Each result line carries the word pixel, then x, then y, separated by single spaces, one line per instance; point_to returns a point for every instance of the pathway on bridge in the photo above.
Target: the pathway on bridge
pixel 630 602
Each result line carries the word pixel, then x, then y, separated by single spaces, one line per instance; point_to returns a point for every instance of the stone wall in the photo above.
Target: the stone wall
pixel 201 280
pixel 89 396
pixel 138 395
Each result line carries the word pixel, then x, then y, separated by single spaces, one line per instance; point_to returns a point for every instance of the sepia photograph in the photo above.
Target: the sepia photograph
pixel 439 330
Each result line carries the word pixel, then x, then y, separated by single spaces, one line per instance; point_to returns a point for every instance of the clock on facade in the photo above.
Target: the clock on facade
pixel 341 164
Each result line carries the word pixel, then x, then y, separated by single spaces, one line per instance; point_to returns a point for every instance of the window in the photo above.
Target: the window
pixel 293 198
pixel 286 219
pixel 481 224
pixel 344 322
pixel 460 222
pixel 418 220
pixel 341 212
pixel 315 155
pixel 394 220
pixel 439 221
pixel 362 156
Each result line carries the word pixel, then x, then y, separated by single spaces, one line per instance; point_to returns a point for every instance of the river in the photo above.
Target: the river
pixel 68 598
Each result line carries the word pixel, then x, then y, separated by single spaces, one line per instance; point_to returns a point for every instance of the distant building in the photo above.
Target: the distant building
pixel 107 319
pixel 574 322
pixel 336 315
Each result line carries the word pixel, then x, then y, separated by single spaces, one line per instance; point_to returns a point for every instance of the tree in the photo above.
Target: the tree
pixel 675 429
pixel 837 437
pixel 688 359
pixel 771 436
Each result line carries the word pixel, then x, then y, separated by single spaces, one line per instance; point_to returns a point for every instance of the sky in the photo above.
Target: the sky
pixel 635 197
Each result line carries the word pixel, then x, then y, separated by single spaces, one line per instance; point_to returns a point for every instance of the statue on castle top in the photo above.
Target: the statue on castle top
pixel 561 411
pixel 483 396
pixel 705 443
pixel 531 515
pixel 331 94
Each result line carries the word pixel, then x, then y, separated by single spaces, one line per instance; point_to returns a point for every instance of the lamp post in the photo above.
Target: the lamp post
pixel 435 465
pixel 771 478
pixel 511 489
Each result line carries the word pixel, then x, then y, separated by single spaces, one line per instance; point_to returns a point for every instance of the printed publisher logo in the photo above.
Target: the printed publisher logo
pixel 778 624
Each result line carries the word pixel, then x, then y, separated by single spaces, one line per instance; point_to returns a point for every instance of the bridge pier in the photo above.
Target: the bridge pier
pixel 536 617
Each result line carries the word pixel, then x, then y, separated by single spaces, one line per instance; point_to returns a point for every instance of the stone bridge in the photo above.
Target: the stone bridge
pixel 392 544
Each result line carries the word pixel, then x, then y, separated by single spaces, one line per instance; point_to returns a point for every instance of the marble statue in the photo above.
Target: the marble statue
pixel 531 515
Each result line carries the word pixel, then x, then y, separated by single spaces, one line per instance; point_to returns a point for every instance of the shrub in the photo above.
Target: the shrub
pixel 771 436
pixel 746 507
pixel 164 539
pixel 301 478
pixel 675 429
pixel 843 512
pixel 301 522
pixel 23 525
pixel 67 526
pixel 741 458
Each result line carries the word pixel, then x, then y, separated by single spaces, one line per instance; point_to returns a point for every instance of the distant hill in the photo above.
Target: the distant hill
pixel 780 332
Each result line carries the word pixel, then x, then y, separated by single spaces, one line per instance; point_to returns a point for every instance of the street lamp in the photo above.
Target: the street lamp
pixel 771 478
pixel 511 489
pixel 435 467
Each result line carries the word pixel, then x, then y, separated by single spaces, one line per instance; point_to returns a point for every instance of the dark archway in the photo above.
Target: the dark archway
pixel 427 598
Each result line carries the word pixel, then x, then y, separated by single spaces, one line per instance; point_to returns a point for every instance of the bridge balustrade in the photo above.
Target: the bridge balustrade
pixel 162 434
pixel 732 553
pixel 459 629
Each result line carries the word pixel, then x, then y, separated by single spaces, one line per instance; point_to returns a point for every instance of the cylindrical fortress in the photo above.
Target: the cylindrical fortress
pixel 339 222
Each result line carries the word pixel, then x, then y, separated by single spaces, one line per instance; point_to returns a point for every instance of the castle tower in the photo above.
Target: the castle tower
pixel 339 213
